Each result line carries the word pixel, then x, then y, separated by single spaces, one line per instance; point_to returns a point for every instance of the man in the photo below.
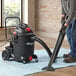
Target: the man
pixel 69 16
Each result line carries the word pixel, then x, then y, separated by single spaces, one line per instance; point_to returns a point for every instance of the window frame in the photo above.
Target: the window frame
pixel 1 12
pixel 2 6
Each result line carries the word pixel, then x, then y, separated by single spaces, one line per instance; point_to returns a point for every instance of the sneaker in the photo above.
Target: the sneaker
pixel 70 59
pixel 66 55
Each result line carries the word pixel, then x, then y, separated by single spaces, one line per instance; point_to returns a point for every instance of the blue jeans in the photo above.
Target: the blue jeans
pixel 71 36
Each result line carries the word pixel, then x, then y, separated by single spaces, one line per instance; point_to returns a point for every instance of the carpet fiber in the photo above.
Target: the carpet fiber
pixel 12 68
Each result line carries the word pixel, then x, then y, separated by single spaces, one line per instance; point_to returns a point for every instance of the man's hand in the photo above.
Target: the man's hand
pixel 66 25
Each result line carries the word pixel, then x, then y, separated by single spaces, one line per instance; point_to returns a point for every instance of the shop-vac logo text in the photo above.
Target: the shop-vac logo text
pixel 29 43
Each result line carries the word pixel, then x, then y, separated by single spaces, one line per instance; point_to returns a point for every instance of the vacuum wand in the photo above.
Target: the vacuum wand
pixel 57 48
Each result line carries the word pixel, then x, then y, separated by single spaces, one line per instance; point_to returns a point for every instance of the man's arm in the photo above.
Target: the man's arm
pixel 63 12
pixel 71 12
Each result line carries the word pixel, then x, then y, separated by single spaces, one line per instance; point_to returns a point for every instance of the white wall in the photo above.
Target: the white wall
pixel 25 11
pixel 29 13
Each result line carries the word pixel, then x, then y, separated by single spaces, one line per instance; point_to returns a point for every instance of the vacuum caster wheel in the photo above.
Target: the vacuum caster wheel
pixel 5 55
pixel 24 62
pixel 35 58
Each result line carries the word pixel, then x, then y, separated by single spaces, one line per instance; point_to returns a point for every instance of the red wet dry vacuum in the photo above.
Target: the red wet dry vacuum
pixel 21 46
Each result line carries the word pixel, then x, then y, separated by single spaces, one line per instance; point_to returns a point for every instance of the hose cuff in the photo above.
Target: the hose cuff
pixel 62 15
pixel 66 25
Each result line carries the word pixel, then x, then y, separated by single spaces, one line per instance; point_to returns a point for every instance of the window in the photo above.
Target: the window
pixel 11 8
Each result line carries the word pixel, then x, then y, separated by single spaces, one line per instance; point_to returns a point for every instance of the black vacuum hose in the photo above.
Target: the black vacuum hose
pixel 44 45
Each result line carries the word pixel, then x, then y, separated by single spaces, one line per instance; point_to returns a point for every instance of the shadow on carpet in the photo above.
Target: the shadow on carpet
pixel 12 68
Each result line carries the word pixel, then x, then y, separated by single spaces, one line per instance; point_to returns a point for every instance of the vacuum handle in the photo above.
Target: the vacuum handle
pixel 11 18
pixel 6 24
